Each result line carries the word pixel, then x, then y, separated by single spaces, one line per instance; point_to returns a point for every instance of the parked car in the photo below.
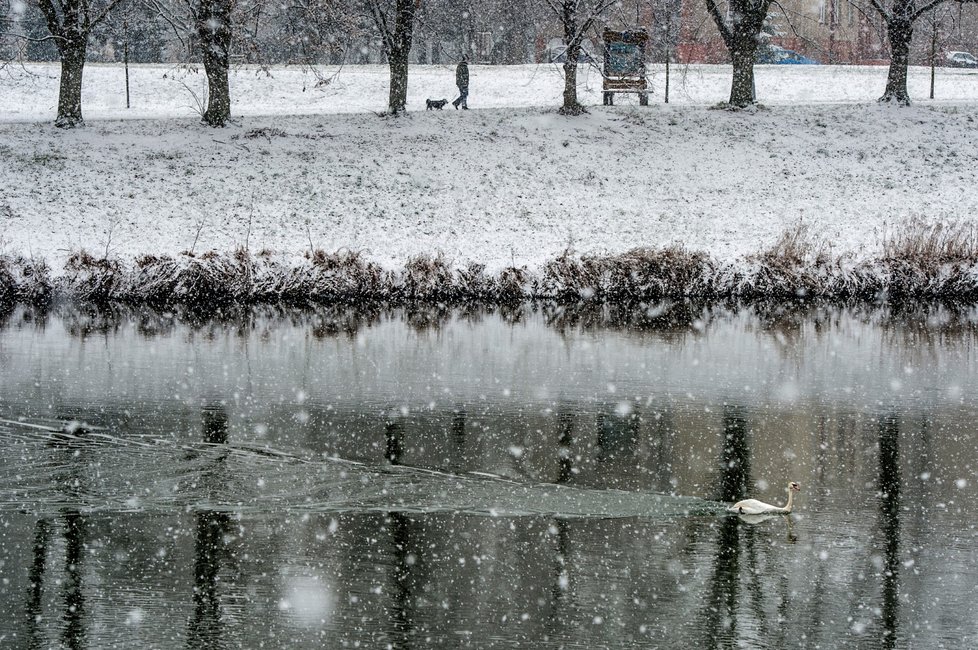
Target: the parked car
pixel 960 60
pixel 782 56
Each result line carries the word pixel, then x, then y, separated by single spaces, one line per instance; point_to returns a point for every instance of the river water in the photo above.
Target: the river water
pixel 531 476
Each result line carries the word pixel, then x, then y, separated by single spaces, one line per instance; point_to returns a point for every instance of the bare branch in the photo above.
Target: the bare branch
pixel 380 19
pixel 105 12
pixel 591 14
pixel 178 26
pixel 30 39
pixel 927 7
pixel 791 25
pixel 50 16
pixel 725 33
pixel 883 11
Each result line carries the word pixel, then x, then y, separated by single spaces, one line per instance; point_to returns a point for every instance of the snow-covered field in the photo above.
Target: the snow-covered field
pixel 509 183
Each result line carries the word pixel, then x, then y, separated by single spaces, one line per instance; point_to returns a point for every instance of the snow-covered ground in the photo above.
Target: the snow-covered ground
pixel 510 182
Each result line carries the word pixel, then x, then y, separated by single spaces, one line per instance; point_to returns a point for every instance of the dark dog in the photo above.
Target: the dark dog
pixel 435 103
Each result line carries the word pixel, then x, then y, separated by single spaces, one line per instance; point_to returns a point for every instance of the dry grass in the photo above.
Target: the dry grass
pixel 639 274
pixel 796 266
pixel 513 285
pixel 932 244
pixel 346 275
pixel 154 278
pixel 919 262
pixel 932 261
pixel 427 279
pixel 215 281
pixel 91 279
pixel 649 274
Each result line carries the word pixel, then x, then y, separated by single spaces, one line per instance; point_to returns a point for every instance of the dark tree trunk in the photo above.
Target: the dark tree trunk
pixel 571 105
pixel 400 49
pixel 742 85
pixel 214 29
pixel 740 37
pixel 397 100
pixel 569 20
pixel 899 31
pixel 72 49
pixel 69 23
pixel 742 55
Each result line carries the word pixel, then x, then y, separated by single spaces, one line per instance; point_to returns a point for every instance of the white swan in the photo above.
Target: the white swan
pixel 755 507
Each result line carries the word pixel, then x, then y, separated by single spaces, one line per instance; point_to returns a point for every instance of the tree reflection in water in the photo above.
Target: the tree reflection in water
pixel 34 615
pixel 404 580
pixel 406 554
pixel 733 481
pixel 563 571
pixel 212 531
pixel 75 539
pixel 560 617
pixel 889 518
pixel 737 589
pixel 69 445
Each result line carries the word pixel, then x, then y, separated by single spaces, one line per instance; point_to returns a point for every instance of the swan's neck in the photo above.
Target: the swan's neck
pixel 791 498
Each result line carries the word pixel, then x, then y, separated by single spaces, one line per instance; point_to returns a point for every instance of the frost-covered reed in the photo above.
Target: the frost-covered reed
pixel 920 261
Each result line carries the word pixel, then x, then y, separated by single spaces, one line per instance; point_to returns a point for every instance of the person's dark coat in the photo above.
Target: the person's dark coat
pixel 462 76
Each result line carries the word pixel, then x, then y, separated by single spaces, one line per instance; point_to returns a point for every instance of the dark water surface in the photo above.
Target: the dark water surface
pixel 535 477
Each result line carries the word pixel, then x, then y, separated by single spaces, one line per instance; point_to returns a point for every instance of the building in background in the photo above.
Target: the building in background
pixel 494 32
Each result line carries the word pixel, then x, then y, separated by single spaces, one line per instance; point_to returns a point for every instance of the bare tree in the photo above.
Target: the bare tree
pixel 740 34
pixel 395 21
pixel 899 17
pixel 316 31
pixel 938 24
pixel 70 22
pixel 576 17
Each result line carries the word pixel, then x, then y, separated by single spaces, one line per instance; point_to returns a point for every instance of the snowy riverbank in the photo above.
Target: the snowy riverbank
pixel 490 200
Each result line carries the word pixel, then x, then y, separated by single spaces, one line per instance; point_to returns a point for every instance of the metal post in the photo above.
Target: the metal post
pixel 933 53
pixel 125 54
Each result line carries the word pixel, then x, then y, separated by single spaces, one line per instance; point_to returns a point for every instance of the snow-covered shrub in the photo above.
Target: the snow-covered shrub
pixel 8 288
pixel 474 284
pixel 92 279
pixel 645 274
pixel 426 278
pixel 153 279
pixel 567 277
pixel 796 266
pixel 212 280
pixel 513 285
pixel 24 280
pixel 346 275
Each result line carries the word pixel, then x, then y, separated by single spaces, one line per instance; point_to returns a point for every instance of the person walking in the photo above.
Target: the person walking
pixel 462 81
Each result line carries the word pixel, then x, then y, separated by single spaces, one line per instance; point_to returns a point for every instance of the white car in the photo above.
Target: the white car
pixel 960 60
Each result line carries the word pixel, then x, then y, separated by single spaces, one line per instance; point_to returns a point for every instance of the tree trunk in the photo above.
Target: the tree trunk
pixel 400 49
pixel 214 30
pixel 569 20
pixel 72 48
pixel 69 24
pixel 743 53
pixel 742 86
pixel 397 102
pixel 571 105
pixel 739 33
pixel 899 31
